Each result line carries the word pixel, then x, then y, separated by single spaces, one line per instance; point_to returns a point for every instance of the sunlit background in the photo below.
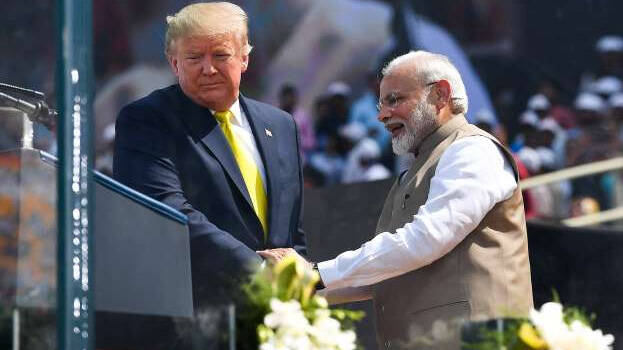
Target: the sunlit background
pixel 543 76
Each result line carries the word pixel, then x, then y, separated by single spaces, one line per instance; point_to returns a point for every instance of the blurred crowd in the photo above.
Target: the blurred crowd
pixel 555 134
pixel 341 139
pixel 340 136
pixel 343 142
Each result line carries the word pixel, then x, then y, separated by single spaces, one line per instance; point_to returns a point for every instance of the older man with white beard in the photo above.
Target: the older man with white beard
pixel 451 241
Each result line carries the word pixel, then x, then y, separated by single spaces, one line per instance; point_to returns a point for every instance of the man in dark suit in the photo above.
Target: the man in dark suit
pixel 231 164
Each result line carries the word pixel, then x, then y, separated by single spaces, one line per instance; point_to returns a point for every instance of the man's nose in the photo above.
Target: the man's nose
pixel 207 66
pixel 383 114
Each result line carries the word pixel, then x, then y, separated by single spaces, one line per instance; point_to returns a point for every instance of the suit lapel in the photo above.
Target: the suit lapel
pixel 266 142
pixel 203 126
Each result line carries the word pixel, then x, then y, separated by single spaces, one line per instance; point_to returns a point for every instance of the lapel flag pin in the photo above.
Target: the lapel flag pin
pixel 268 133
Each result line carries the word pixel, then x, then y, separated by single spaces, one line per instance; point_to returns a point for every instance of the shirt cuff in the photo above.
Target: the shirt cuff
pixel 328 272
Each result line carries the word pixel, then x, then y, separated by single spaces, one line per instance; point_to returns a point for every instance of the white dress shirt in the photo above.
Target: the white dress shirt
pixel 244 136
pixel 471 177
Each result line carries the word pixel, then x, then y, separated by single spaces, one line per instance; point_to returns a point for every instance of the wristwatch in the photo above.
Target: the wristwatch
pixel 320 284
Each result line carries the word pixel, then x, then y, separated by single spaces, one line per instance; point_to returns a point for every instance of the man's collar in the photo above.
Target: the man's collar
pixel 236 111
pixel 440 133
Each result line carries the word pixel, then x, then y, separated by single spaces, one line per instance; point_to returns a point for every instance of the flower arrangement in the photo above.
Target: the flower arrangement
pixel 549 328
pixel 282 312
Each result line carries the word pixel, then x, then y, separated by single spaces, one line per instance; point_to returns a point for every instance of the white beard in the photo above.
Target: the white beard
pixel 402 144
pixel 422 122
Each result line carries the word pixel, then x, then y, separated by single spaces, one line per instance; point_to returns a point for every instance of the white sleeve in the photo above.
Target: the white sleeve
pixel 471 177
pixel 346 295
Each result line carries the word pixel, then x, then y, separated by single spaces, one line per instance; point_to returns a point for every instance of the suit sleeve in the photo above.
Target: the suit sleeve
pixel 299 242
pixel 143 160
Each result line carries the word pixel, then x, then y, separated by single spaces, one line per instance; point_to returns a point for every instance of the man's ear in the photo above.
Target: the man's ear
pixel 245 62
pixel 442 92
pixel 173 62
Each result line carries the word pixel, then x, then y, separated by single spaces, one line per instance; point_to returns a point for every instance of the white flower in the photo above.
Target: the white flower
pixel 290 327
pixel 551 325
pixel 558 335
pixel 292 330
pixel 326 333
pixel 286 314
pixel 586 338
pixel 287 342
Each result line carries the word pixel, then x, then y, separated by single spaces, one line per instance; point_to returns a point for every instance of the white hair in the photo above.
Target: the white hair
pixel 427 67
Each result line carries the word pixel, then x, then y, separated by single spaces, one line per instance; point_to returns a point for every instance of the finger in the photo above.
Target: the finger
pixel 266 254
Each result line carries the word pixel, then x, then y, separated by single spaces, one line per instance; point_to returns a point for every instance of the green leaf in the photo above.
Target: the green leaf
pixel 288 277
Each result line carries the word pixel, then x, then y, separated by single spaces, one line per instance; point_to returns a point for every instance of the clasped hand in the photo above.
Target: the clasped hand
pixel 277 254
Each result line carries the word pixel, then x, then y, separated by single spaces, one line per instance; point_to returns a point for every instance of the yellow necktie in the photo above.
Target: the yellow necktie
pixel 248 169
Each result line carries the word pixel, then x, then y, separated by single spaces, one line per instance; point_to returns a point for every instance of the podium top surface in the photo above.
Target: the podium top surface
pixel 126 191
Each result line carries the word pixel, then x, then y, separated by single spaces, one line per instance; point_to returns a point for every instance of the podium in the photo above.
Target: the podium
pixel 141 258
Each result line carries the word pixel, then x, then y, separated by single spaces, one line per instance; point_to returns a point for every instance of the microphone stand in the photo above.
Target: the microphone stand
pixel 36 110
pixel 23 91
pixel 26 141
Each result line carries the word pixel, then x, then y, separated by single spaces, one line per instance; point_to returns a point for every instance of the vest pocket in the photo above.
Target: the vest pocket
pixel 436 327
pixel 455 305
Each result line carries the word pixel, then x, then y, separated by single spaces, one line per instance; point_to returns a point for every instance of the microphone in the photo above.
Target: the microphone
pixel 34 94
pixel 36 111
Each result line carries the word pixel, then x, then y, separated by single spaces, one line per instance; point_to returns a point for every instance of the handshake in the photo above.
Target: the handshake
pixel 276 255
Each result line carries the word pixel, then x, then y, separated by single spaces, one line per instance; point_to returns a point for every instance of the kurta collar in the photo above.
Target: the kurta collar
pixel 440 134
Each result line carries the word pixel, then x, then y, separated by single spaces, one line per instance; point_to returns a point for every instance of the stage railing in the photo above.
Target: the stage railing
pixel 603 166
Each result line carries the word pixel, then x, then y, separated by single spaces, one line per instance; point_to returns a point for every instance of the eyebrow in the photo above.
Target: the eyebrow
pixel 400 93
pixel 392 94
pixel 191 48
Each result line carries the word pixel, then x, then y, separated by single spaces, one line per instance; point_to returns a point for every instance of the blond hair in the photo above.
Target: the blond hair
pixel 427 67
pixel 214 19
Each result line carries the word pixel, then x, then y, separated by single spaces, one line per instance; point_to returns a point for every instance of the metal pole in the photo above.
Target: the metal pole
pixel 231 313
pixel 16 329
pixel 75 309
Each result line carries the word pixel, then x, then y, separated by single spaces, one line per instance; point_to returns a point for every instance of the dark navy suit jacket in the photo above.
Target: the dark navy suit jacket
pixel 173 150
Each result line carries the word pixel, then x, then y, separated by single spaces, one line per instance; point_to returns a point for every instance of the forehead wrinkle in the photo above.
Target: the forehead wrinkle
pixel 202 34
pixel 394 84
pixel 212 37
pixel 201 42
